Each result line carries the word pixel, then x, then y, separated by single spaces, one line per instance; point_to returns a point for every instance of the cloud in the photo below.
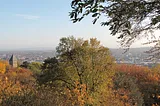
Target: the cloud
pixel 29 17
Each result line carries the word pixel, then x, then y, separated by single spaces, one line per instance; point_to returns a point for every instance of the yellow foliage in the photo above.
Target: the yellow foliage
pixel 3 66
pixel 8 88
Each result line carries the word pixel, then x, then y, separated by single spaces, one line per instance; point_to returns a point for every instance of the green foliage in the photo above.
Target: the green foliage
pixel 51 72
pixel 35 67
pixel 49 63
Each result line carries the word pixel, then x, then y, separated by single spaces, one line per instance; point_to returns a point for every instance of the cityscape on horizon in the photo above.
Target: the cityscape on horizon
pixel 133 56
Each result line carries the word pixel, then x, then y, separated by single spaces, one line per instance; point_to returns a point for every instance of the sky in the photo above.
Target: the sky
pixel 41 23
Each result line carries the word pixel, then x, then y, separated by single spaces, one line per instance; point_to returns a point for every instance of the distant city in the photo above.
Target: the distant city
pixel 28 55
pixel 133 56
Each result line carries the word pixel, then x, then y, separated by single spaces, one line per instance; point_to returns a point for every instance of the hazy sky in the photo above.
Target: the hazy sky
pixel 41 23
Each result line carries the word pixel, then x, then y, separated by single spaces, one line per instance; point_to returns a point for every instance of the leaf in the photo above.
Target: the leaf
pixel 71 15
pixel 94 10
pixel 80 18
pixel 94 21
pixel 94 15
pixel 87 7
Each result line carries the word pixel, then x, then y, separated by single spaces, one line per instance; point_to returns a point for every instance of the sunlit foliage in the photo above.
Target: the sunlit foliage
pixel 4 65
pixel 82 74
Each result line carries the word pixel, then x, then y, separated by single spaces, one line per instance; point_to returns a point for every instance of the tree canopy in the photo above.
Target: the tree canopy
pixel 84 67
pixel 129 19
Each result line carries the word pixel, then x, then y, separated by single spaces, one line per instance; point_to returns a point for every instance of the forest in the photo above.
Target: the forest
pixel 83 73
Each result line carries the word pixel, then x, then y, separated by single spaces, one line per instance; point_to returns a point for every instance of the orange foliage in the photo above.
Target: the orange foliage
pixel 142 73
pixel 148 81
pixel 131 68
pixel 3 66
pixel 78 95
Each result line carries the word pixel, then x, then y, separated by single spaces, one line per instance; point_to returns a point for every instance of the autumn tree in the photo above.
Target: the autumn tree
pixel 83 70
pixel 129 19
pixel 88 63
